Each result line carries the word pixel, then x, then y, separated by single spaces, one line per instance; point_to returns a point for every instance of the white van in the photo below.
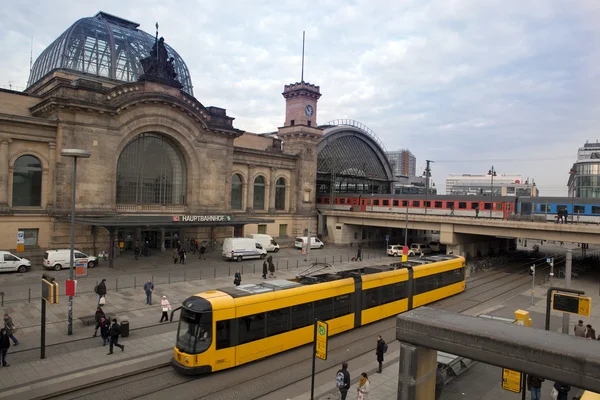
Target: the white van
pixel 266 241
pixel 242 248
pixel 11 263
pixel 61 258
pixel 420 248
pixel 315 243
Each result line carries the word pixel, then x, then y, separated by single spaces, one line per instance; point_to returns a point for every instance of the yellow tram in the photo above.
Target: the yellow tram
pixel 223 328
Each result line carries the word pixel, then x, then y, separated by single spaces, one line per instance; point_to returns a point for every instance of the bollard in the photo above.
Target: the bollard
pixel 30 295
pixel 200 276
pixel 296 264
pixel 287 264
pixel 117 285
pixel 135 282
pixel 277 266
pixel 229 271
pixel 214 273
pixel 341 259
pixel 152 278
pixel 1 299
pixel 169 278
pixel 254 268
pixel 242 269
pixel 184 276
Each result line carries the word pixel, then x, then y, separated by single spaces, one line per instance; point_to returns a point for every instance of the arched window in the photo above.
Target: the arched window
pixel 259 193
pixel 236 192
pixel 280 194
pixel 27 182
pixel 151 170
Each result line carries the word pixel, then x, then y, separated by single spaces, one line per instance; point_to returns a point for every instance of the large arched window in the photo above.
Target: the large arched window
pixel 151 170
pixel 236 192
pixel 259 193
pixel 27 182
pixel 280 194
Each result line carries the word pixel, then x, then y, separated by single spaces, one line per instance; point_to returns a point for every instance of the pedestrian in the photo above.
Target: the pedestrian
pixel 271 268
pixel 4 346
pixel 359 252
pixel 439 381
pixel 202 252
pixel 166 307
pixel 175 256
pixel 148 288
pixel 534 385
pixel 381 348
pixel 97 316
pixel 590 333
pixel 100 290
pixel 579 329
pixel 136 252
pixel 237 279
pixel 114 332
pixel 363 387
pixel 182 256
pixel 265 269
pixel 342 380
pixel 477 211
pixel 562 391
pixel 11 329
pixel 104 330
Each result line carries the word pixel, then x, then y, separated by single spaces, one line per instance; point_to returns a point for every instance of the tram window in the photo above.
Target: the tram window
pixel 544 208
pixel 404 203
pixel 395 203
pixel 278 321
pixel 426 284
pixel 474 206
pixel 416 203
pixel 375 202
pixel 579 210
pixel 462 205
pixel 595 210
pixel 251 328
pixel 487 206
pixel 323 309
pixel 301 315
pixel 386 202
pixel 399 290
pixel 451 277
pixel 387 294
pixel 341 305
pixel 498 206
pixel 223 332
pixel 438 204
pixel 449 204
pixel 427 203
pixel 371 298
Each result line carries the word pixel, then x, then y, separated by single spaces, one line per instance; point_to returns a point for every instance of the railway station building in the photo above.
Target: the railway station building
pixel 164 167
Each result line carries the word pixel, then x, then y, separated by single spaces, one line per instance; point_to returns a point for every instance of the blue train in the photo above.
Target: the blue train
pixel 586 210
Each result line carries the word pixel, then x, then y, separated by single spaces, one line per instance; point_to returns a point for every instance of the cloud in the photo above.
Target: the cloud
pixel 453 81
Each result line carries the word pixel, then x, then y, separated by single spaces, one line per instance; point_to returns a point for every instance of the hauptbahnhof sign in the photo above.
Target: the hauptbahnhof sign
pixel 201 218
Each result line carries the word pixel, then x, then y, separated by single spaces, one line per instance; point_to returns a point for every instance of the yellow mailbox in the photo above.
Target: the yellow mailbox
pixel 522 318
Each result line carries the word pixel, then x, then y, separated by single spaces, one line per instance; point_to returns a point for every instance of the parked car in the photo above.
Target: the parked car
pixel 315 243
pixel 396 251
pixel 242 248
pixel 266 241
pixel 420 248
pixel 11 263
pixel 61 258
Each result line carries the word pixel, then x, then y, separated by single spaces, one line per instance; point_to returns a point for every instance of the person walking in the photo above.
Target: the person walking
pixel 265 269
pixel 148 288
pixel 4 346
pixel 590 332
pixel 363 387
pixel 439 381
pixel 136 252
pixel 271 268
pixel 182 255
pixel 175 256
pixel 202 252
pixel 342 380
pixel 381 348
pixel 100 290
pixel 97 316
pixel 166 307
pixel 114 333
pixel 562 390
pixel 104 330
pixel 534 385
pixel 579 329
pixel 237 279
pixel 11 329
pixel 359 252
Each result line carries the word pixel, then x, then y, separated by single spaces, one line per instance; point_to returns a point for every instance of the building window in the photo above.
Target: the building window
pixel 259 193
pixel 151 170
pixel 293 122
pixel 282 230
pixel 236 192
pixel 31 238
pixel 280 194
pixel 308 123
pixel 262 229
pixel 27 182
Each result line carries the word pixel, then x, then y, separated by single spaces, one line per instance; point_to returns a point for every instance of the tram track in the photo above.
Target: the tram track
pixel 264 376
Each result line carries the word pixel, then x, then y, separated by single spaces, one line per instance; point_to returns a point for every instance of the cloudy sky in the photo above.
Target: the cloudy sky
pixel 466 84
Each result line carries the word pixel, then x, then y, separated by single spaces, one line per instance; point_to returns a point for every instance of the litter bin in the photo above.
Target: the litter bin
pixel 124 328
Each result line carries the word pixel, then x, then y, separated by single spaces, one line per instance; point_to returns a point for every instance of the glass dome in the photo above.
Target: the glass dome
pixel 106 46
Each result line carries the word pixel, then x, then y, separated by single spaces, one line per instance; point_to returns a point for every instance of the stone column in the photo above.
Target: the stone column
pixel 417 368
pixel 4 172
pixel 293 191
pixel 51 190
pixel 162 239
pixel 250 192
pixel 273 188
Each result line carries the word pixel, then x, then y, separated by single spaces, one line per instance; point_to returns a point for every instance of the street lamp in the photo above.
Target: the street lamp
pixel 74 154
pixel 573 174
pixel 492 173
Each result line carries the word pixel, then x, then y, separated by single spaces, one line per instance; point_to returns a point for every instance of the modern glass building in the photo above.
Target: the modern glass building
pixel 584 177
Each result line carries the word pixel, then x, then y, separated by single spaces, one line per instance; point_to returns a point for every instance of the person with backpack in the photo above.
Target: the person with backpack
pixel 100 290
pixel 97 316
pixel 114 332
pixel 237 279
pixel 342 380
pixel 381 349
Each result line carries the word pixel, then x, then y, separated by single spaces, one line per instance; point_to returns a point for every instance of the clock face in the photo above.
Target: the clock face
pixel 308 110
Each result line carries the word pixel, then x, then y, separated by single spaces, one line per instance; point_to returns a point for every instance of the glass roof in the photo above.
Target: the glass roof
pixel 105 46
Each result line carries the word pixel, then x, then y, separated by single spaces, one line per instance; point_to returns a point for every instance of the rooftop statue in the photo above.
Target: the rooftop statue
pixel 159 66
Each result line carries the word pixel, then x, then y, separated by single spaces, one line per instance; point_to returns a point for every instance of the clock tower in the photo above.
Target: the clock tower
pixel 301 104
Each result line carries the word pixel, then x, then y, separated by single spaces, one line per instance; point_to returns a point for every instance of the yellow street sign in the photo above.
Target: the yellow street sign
pixel 321 345
pixel 572 304
pixel 511 380
pixel 20 248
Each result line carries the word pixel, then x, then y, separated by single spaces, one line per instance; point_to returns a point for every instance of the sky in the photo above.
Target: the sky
pixel 466 84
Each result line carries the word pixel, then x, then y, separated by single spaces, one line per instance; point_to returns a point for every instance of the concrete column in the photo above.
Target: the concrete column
pixel 416 378
pixel 4 172
pixel 294 190
pixel 268 204
pixel 162 239
pixel 51 190
pixel 271 192
pixel 250 191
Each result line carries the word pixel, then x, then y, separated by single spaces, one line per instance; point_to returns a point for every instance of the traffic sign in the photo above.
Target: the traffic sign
pixel 321 347
pixel 81 267
pixel 511 380
pixel 20 237
pixel 387 238
pixel 572 304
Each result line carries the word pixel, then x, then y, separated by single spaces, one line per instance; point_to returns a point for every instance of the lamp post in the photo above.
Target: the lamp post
pixel 492 173
pixel 74 154
pixel 573 190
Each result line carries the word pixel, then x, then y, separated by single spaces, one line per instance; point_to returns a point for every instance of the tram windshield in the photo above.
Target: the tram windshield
pixel 195 331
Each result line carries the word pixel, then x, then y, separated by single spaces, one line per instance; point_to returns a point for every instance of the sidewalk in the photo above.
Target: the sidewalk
pixel 25 376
